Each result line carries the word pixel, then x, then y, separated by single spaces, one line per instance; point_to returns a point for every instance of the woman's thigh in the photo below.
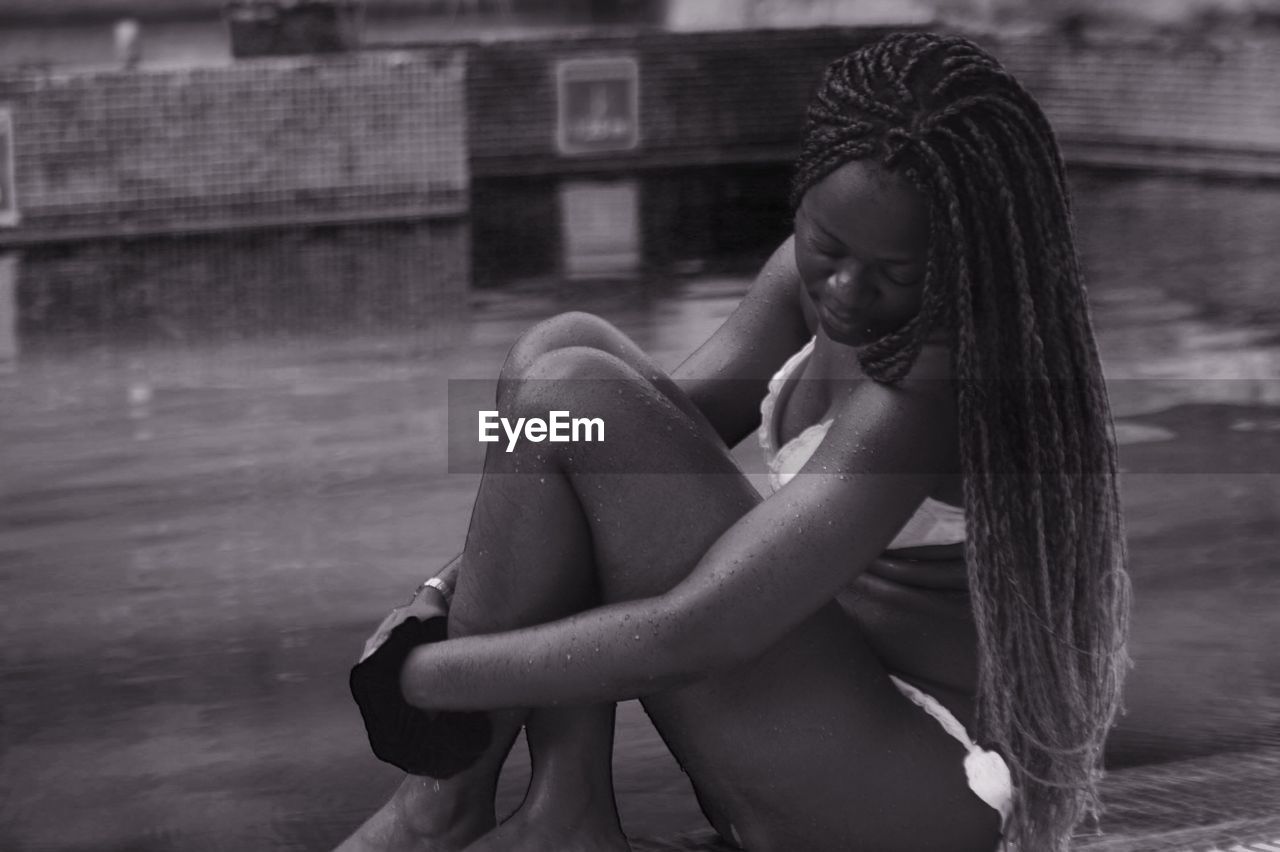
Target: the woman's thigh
pixel 811 746
pixel 808 746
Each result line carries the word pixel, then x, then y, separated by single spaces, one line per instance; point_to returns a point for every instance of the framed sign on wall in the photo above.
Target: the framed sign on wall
pixel 8 195
pixel 598 105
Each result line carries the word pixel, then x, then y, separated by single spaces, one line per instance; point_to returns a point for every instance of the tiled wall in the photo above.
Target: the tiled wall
pixel 375 135
pixel 712 98
pixel 705 98
pixel 389 134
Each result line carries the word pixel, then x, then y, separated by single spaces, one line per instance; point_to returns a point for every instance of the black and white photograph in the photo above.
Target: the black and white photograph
pixel 639 425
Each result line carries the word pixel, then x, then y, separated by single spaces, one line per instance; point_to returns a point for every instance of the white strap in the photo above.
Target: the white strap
pixel 931 706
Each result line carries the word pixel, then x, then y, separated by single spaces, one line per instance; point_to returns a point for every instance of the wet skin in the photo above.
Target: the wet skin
pixel 729 632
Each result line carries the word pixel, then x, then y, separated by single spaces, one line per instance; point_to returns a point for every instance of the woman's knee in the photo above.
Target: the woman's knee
pixel 568 377
pixel 573 328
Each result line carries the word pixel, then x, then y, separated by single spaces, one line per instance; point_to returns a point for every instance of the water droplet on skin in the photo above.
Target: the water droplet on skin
pixel 637 636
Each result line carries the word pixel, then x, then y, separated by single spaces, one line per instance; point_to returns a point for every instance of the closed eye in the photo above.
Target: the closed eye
pixel 904 277
pixel 823 245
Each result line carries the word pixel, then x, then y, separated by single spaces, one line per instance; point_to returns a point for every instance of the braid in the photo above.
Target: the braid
pixel 1044 550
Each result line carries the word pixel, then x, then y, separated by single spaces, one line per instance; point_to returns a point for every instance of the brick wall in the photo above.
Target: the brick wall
pixel 374 135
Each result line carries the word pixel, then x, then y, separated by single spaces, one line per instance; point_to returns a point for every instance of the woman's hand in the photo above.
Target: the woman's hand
pixel 428 603
pixel 420 742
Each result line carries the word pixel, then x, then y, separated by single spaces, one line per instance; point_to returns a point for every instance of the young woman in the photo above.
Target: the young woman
pixel 941 561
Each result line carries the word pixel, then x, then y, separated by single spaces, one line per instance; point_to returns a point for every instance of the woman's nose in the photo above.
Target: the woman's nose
pixel 850 285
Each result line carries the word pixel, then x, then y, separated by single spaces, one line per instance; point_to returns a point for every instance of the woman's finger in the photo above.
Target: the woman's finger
pixel 384 629
pixel 388 624
pixel 427 606
pixel 424 607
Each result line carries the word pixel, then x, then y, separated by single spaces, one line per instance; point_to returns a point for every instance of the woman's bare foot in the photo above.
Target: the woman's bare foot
pixel 570 804
pixel 581 827
pixel 404 824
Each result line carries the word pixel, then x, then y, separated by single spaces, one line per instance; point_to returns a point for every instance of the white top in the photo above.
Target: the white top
pixel 933 523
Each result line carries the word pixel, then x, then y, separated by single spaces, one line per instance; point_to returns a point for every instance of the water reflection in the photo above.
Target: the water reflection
pixel 717 220
pixel 224 458
pixel 191 290
pixel 1181 270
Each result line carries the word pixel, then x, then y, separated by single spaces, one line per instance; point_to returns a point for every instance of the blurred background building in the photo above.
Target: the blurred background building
pixel 79 32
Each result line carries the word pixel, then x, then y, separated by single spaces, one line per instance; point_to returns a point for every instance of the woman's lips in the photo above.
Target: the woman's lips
pixel 838 304
pixel 840 308
pixel 841 323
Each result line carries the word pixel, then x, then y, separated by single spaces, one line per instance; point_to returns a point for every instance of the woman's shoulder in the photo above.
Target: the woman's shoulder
pixel 934 363
pixel 917 417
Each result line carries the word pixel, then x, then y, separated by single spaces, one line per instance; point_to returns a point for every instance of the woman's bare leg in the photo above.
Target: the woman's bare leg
pixel 808 746
pixel 570 748
pixel 440 815
pixel 570 802
pixel 570 791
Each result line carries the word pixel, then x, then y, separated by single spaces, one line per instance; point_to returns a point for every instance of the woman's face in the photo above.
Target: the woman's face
pixel 862 238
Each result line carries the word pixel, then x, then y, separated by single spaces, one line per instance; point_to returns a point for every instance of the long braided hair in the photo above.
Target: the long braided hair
pixel 1045 547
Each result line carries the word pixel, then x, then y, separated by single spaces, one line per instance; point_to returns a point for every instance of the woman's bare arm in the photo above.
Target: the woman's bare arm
pixel 728 375
pixel 775 567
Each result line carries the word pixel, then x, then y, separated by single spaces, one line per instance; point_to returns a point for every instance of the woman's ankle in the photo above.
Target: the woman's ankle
pixel 443 810
pixel 584 801
pixel 572 754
